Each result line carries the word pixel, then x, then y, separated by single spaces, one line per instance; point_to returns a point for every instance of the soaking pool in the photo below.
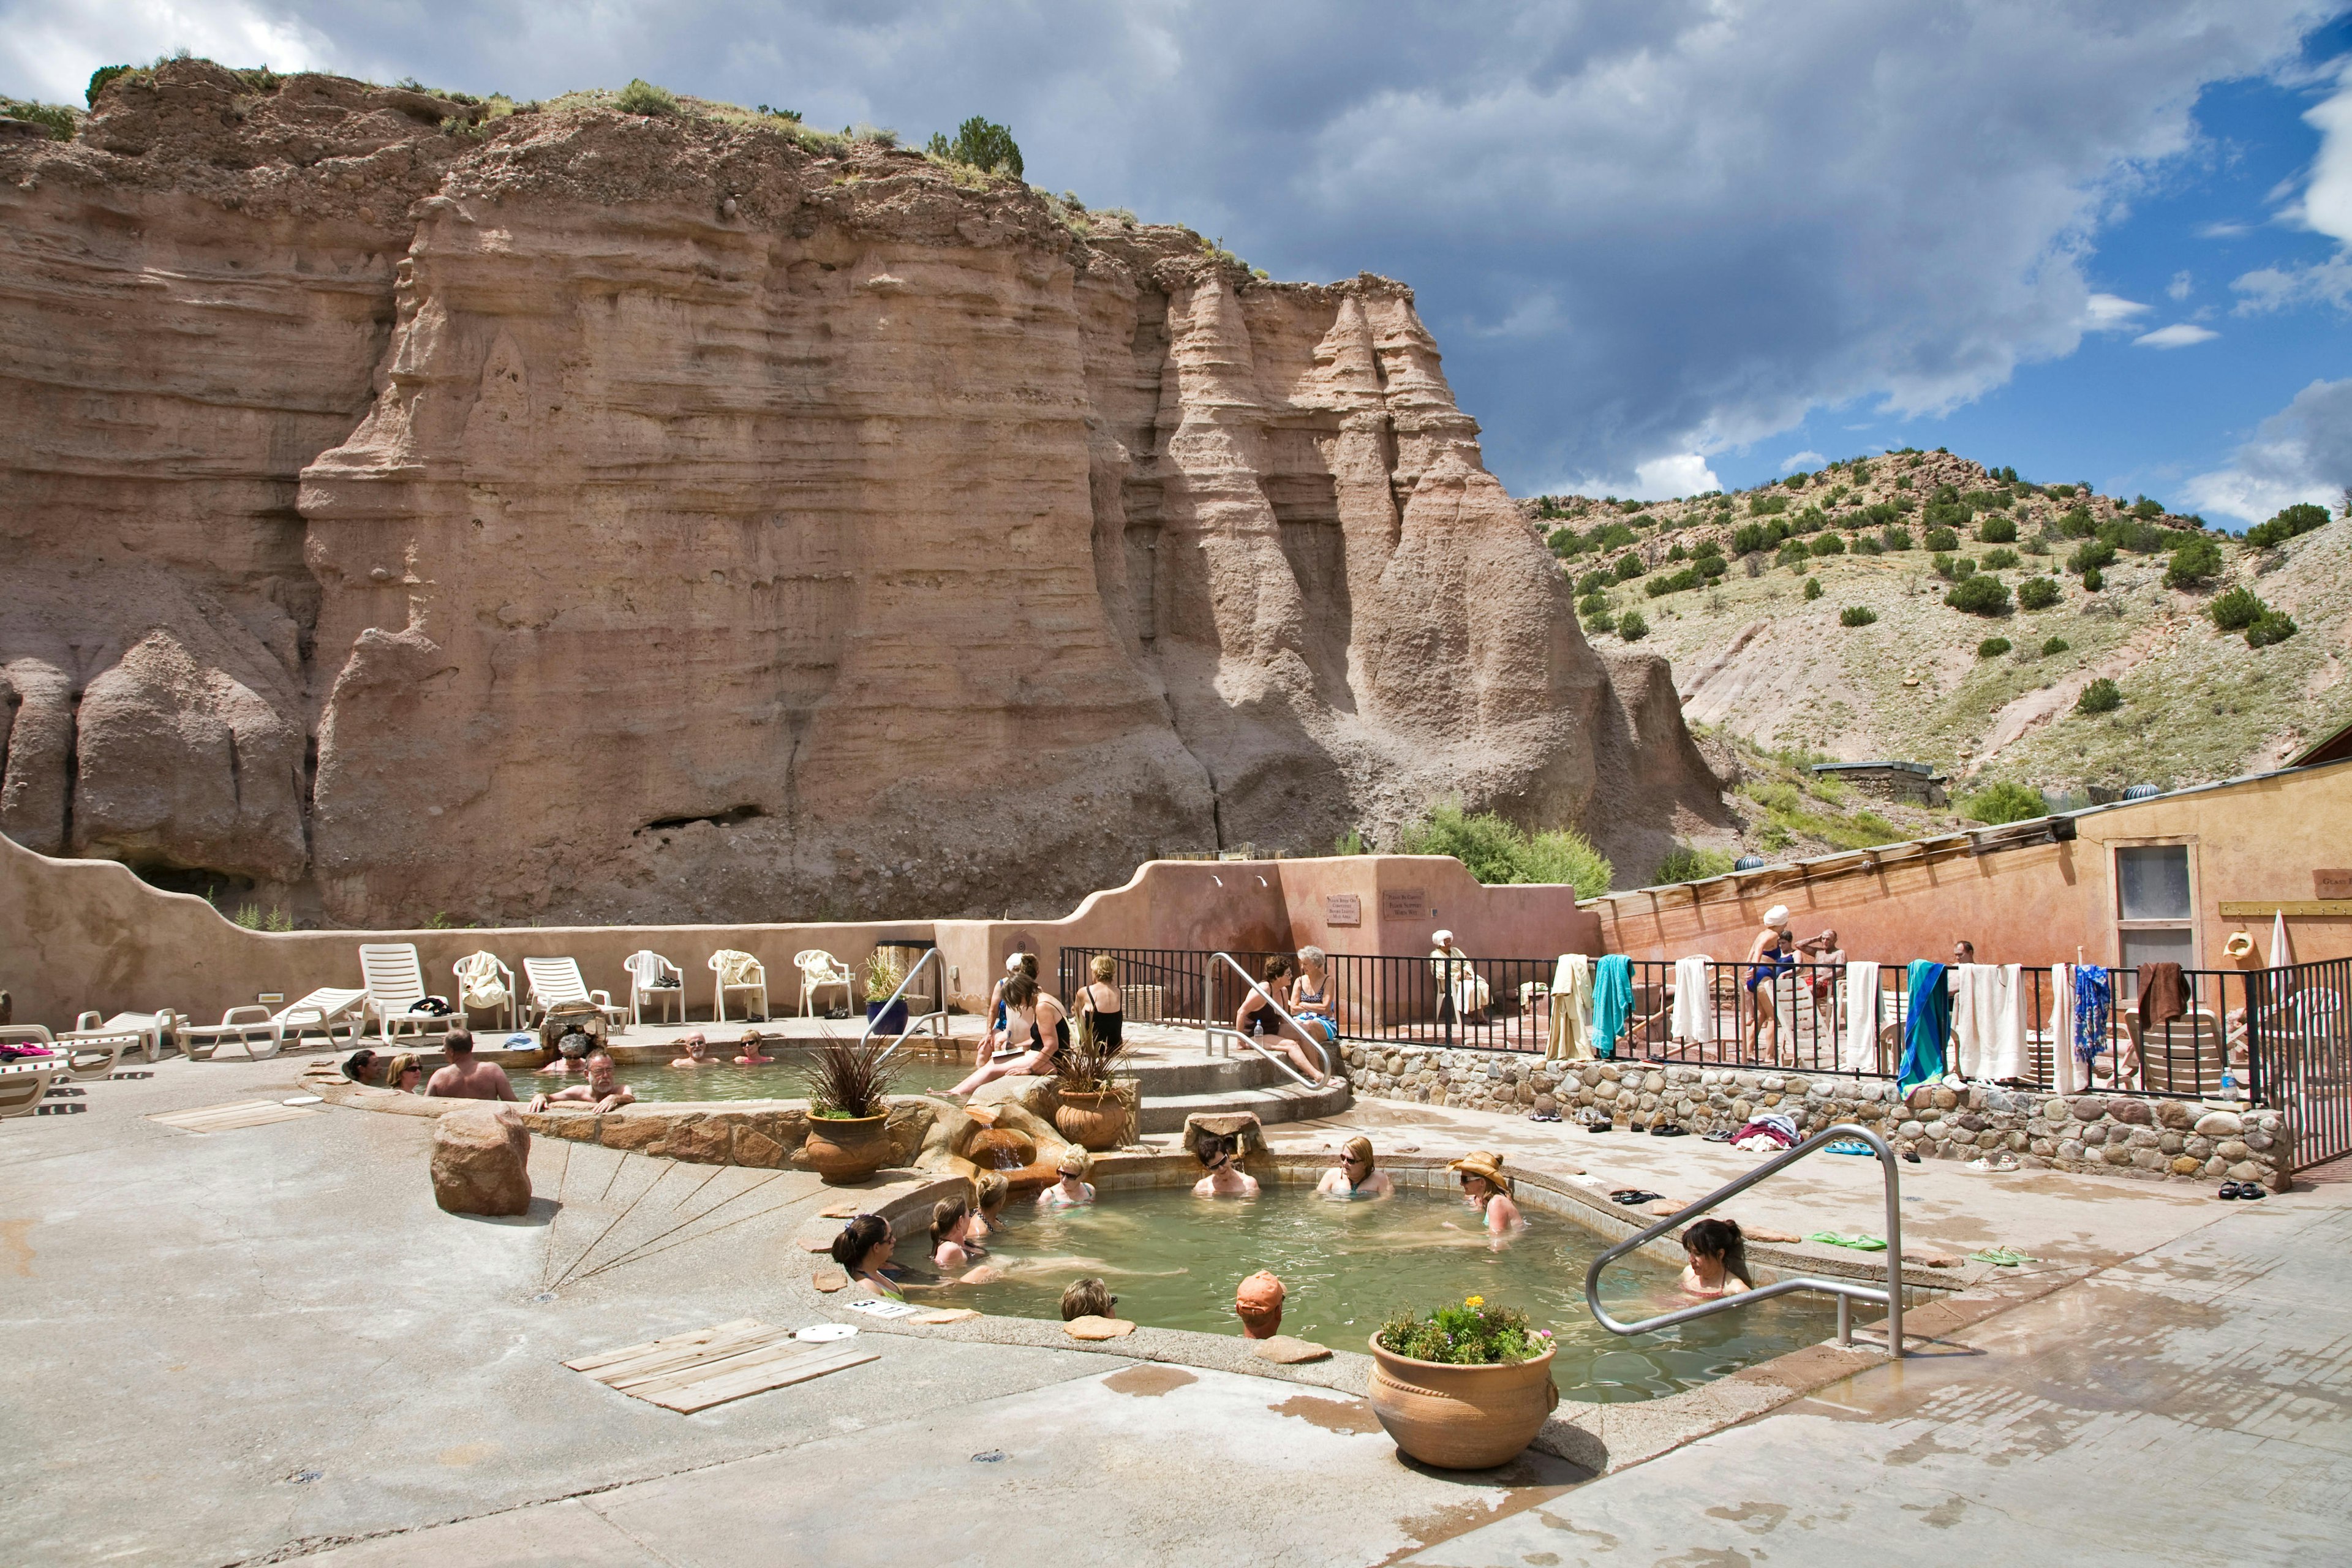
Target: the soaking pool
pixel 1174 1259
pixel 661 1081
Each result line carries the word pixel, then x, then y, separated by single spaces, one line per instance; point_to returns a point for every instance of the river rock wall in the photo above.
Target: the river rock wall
pixel 597 516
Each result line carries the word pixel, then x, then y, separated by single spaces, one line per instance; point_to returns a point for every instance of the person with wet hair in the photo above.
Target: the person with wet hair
pixel 604 1091
pixel 1352 1175
pixel 991 1189
pixel 1225 1179
pixel 950 1229
pixel 1718 1259
pixel 1087 1298
pixel 1485 1185
pixel 863 1249
pixel 360 1065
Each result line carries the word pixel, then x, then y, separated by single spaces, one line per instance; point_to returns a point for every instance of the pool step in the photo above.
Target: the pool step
pixel 1282 1102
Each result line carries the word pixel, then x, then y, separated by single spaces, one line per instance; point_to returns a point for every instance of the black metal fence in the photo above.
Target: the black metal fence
pixel 2300 1033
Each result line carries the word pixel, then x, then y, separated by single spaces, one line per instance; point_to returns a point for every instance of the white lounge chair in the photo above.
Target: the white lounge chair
pixel 555 981
pixel 253 1024
pixel 153 1029
pixel 820 970
pixel 647 969
pixel 94 1056
pixel 485 985
pixel 734 971
pixel 394 977
pixel 22 1084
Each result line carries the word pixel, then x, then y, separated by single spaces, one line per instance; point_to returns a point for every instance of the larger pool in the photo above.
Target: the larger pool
pixel 661 1081
pixel 1174 1259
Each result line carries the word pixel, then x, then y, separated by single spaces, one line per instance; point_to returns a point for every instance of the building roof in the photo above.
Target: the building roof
pixel 2335 748
pixel 1922 768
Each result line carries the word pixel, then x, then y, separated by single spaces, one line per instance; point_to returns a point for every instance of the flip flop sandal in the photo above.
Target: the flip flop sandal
pixel 2228 1190
pixel 1911 1156
pixel 1718 1137
pixel 1858 1243
pixel 2001 1256
pixel 2250 1191
pixel 1631 1196
pixel 1847 1146
pixel 1669 1129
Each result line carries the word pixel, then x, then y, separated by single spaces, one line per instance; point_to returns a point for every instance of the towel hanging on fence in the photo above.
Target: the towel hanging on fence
pixel 1930 1024
pixel 1989 1021
pixel 1571 1009
pixel 2162 998
pixel 1862 1013
pixel 1612 1002
pixel 2067 1074
pixel 2095 1003
pixel 1694 1000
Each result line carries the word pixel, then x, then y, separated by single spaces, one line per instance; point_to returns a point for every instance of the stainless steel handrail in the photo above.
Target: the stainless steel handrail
pixel 1846 1292
pixel 1212 1031
pixel 912 1023
pixel 1279 1011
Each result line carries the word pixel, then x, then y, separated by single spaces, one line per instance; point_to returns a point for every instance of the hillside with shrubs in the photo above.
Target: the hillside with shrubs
pixel 2040 637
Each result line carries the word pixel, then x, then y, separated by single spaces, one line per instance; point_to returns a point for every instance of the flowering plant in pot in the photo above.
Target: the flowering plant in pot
pixel 849 1111
pixel 1091 1114
pixel 1464 1388
pixel 882 977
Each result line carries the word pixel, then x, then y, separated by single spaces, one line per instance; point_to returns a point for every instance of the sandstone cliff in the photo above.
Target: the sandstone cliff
pixel 609 517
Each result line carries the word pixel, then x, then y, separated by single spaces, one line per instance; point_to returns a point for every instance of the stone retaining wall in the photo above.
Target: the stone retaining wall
pixel 2117 1136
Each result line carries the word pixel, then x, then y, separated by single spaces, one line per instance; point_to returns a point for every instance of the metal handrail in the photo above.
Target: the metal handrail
pixel 1211 1031
pixel 1280 1011
pixel 1846 1292
pixel 912 1023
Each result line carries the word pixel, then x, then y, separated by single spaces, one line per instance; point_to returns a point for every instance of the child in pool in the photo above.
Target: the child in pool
pixel 991 1191
pixel 1073 1188
pixel 1224 1180
pixel 1718 1259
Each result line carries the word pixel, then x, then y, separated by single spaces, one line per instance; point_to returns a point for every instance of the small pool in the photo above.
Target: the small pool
pixel 659 1080
pixel 1174 1260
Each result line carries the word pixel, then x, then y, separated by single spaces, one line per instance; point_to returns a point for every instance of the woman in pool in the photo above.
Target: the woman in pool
pixel 1718 1259
pixel 747 1053
pixel 1484 1183
pixel 1073 1189
pixel 1224 1179
pixel 698 1052
pixel 1031 1012
pixel 989 1194
pixel 404 1074
pixel 1353 1176
pixel 1258 1019
pixel 1100 999
pixel 953 1252
pixel 864 1249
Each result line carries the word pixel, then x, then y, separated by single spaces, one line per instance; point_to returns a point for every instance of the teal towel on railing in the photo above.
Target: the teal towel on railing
pixel 1613 999
pixel 1929 1026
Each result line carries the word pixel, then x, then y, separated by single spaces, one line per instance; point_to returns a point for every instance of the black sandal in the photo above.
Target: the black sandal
pixel 2251 1190
pixel 2229 1192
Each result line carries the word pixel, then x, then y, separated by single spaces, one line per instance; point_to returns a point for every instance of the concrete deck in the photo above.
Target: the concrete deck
pixel 268 1344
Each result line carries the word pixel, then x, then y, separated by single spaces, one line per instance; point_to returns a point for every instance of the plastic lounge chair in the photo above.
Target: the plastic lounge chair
pixel 734 971
pixel 819 969
pixel 153 1029
pixel 253 1024
pixel 395 982
pixel 556 980
pixel 484 985
pixel 2183 1056
pixel 647 969
pixel 94 1056
pixel 23 1084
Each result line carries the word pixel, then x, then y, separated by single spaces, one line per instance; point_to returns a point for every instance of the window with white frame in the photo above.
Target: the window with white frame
pixel 2155 907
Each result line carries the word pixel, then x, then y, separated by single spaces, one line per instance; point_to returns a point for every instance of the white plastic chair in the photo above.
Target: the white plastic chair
pixel 252 1025
pixel 734 971
pixel 484 985
pixel 395 981
pixel 819 969
pixel 556 980
pixel 21 1085
pixel 153 1029
pixel 646 968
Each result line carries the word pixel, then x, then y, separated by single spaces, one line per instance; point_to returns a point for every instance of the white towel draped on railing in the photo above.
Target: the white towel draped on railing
pixel 2067 1074
pixel 1989 1021
pixel 1865 1015
pixel 1694 1000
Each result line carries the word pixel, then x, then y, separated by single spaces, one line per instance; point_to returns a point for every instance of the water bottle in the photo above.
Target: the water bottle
pixel 2228 1084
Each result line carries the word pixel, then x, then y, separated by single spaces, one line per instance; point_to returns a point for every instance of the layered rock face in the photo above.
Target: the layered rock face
pixel 609 517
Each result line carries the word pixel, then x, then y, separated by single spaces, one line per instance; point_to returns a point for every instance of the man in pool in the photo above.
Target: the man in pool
pixel 602 1091
pixel 463 1077
pixel 1484 1183
pixel 698 1052
pixel 1224 1179
pixel 1258 1304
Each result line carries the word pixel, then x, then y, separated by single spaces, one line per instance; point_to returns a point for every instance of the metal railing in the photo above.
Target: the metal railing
pixel 1280 1012
pixel 1847 1291
pixel 2299 1037
pixel 1211 1032
pixel 937 1020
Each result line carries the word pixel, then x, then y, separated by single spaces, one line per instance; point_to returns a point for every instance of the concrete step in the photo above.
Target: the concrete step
pixel 1285 1102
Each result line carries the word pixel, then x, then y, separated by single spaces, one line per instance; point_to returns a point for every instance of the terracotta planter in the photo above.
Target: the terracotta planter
pixel 846 1148
pixel 1461 1417
pixel 1093 1122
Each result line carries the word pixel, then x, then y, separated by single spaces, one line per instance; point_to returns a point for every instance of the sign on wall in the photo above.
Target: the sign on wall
pixel 1404 903
pixel 1343 910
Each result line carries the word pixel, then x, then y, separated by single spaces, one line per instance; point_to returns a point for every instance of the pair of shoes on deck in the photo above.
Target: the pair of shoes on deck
pixel 2242 1190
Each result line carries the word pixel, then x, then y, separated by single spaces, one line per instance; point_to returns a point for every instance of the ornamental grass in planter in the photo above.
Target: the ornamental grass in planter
pixel 1091 1113
pixel 849 1111
pixel 1465 1388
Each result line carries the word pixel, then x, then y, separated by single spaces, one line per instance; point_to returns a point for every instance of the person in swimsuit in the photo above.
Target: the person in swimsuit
pixel 698 1052
pixel 1088 1297
pixel 1353 1176
pixel 1101 1000
pixel 863 1249
pixel 1768 958
pixel 993 1041
pixel 1310 1001
pixel 1027 1010
pixel 1718 1259
pixel 1484 1184
pixel 990 1191
pixel 1258 1019
pixel 1073 1189
pixel 1225 1179
pixel 747 1053
pixel 954 1251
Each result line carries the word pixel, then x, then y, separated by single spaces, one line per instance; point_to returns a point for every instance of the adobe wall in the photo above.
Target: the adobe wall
pixel 2257 840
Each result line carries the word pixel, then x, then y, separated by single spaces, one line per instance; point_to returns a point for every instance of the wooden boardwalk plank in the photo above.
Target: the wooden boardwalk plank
pixel 704 1395
pixel 692 1372
pixel 233 1115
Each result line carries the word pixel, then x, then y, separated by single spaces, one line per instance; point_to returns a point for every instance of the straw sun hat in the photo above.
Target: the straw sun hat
pixel 1481 1162
pixel 2239 944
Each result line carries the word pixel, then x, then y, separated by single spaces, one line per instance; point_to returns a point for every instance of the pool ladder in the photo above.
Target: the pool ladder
pixel 937 1020
pixel 1847 1291
pixel 1211 1032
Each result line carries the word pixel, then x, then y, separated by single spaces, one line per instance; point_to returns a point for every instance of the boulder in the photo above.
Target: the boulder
pixel 481 1162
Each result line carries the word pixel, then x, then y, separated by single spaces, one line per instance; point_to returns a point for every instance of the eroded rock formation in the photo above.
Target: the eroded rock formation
pixel 614 517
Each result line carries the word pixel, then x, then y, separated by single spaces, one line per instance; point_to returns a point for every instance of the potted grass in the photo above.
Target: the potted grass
pixel 1091 1112
pixel 883 975
pixel 849 1111
pixel 1464 1388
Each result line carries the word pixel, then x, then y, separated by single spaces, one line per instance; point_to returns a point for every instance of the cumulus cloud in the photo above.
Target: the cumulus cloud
pixel 2324 206
pixel 2301 453
pixel 1683 474
pixel 2180 335
pixel 1732 214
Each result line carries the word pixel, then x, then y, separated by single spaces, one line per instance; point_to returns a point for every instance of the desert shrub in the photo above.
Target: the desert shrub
pixel 56 118
pixel 2130 533
pixel 1690 863
pixel 1562 542
pixel 2145 508
pixel 1633 626
pixel 2093 582
pixel 2036 593
pixel 2300 518
pixel 1600 620
pixel 1495 851
pixel 1678 552
pixel 2075 525
pixel 1828 545
pixel 1591 605
pixel 2090 555
pixel 1999 560
pixel 1954 569
pixel 1628 566
pixel 2055 646
pixel 1712 566
pixel 1997 531
pixel 1747 538
pixel 1812 520
pixel 642 97
pixel 2270 626
pixel 1979 597
pixel 1896 539
pixel 1795 481
pixel 1674 583
pixel 1856 616
pixel 981 143
pixel 2063 492
pixel 1709 549
pixel 2004 800
pixel 1942 538
pixel 1812 589
pixel 1766 506
pixel 2100 697
pixel 100 78
pixel 1992 647
pixel 2237 609
pixel 1593 582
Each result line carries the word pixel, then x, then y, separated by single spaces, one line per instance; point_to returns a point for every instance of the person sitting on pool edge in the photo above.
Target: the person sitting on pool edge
pixel 863 1249
pixel 698 1052
pixel 747 1053
pixel 1484 1183
pixel 1087 1298
pixel 1352 1177
pixel 1718 1259
pixel 1028 1011
pixel 1225 1179
pixel 1258 1019
pixel 990 1191
pixel 1073 1189
pixel 603 1090
pixel 1257 1302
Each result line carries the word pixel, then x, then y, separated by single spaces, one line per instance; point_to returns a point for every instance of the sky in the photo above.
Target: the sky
pixel 1664 244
